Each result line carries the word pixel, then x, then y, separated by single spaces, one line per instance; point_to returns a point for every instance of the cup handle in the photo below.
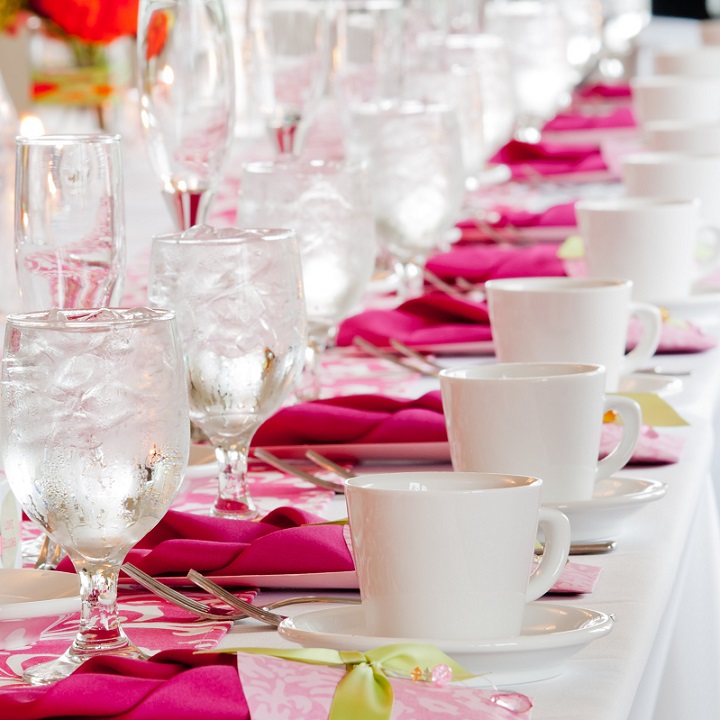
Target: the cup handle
pixel 556 528
pixel 651 321
pixel 709 258
pixel 631 417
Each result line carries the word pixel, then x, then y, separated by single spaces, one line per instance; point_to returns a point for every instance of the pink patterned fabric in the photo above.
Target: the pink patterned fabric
pixel 527 161
pixel 277 688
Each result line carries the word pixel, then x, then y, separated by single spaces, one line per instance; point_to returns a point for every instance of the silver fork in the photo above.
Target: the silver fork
pixel 258 613
pixel 215 613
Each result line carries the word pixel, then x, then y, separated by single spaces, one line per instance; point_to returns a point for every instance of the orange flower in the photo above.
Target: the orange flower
pixel 95 21
pixel 157 33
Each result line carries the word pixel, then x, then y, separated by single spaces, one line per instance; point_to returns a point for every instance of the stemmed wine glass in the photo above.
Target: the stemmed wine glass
pixel 288 50
pixel 187 99
pixel 416 168
pixel 69 221
pixel 103 466
pixel 239 303
pixel 329 206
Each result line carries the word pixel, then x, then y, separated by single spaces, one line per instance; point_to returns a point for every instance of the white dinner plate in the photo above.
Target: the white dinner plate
pixel 341 580
pixel 33 600
pixel 614 500
pixel 662 385
pixel 550 635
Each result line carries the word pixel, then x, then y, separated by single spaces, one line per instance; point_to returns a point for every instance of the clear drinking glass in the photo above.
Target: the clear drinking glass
pixel 329 206
pixel 241 315
pixel 103 466
pixel 69 221
pixel 370 36
pixel 416 170
pixel 537 36
pixel 187 99
pixel 288 51
pixel 623 21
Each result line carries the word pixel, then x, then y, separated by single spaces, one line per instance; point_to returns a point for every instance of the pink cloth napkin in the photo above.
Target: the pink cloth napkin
pixel 509 220
pixel 176 684
pixel 527 160
pixel 282 542
pixel 604 91
pixel 482 263
pixel 356 419
pixel 620 118
pixel 377 419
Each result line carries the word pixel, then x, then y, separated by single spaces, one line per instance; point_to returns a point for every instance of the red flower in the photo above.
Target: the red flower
pixel 157 33
pixel 98 21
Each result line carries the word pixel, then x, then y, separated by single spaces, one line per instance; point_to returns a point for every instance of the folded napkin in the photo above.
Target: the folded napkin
pixel 528 160
pixel 373 418
pixel 436 319
pixel 604 91
pixel 619 118
pixel 483 263
pixel 175 684
pixel 282 542
pixel 356 419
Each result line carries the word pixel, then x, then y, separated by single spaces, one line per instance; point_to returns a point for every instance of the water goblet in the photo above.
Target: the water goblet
pixel 239 304
pixel 103 466
pixel 329 206
pixel 288 60
pixel 187 99
pixel 416 169
pixel 69 221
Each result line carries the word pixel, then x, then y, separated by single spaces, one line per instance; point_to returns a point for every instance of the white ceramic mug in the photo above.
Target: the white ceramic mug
pixel 675 97
pixel 447 556
pixel 539 419
pixel 579 320
pixel 675 175
pixel 651 241
pixel 682 136
pixel 696 62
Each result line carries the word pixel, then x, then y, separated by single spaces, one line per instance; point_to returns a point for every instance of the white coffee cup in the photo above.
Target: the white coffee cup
pixel 675 175
pixel 682 136
pixel 539 419
pixel 651 241
pixel 696 62
pixel 578 320
pixel 447 556
pixel 675 97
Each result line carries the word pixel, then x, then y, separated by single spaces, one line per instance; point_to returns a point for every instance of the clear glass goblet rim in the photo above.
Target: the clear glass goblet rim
pixel 70 139
pixel 79 318
pixel 242 237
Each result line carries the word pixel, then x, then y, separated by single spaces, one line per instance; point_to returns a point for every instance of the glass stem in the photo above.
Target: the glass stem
pixel 311 382
pixel 284 135
pixel 188 207
pixel 233 500
pixel 410 278
pixel 99 624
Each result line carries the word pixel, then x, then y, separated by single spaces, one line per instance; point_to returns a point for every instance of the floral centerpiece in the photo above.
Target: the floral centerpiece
pixel 70 47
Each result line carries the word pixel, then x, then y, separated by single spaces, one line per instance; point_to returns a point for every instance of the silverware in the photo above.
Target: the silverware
pixel 49 556
pixel 264 616
pixel 218 613
pixel 287 467
pixel 404 362
pixel 597 548
pixel 657 370
pixel 327 464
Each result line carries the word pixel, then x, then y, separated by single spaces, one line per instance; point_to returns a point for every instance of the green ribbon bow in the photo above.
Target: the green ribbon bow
pixel 365 691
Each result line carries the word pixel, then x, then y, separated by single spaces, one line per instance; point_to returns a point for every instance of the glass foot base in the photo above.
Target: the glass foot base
pixel 71 659
pixel 235 509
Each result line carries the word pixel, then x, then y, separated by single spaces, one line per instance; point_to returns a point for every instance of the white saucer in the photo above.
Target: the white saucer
pixel 701 306
pixel 661 385
pixel 613 500
pixel 550 635
pixel 31 601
